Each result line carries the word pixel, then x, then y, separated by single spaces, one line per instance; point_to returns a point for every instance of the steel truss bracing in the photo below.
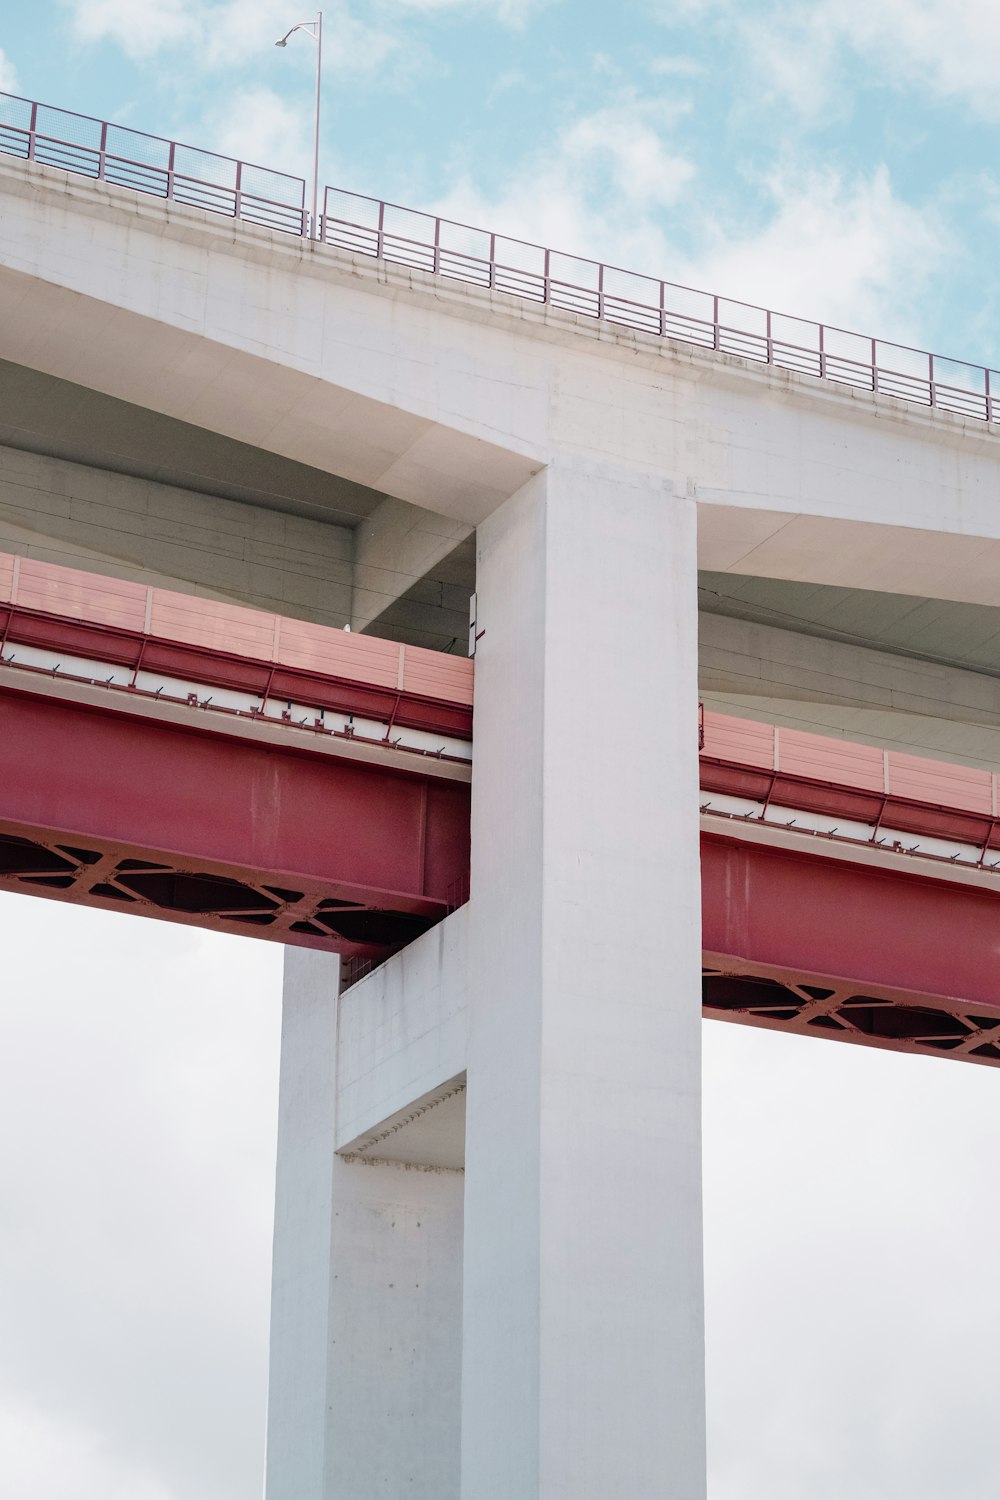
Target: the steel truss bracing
pixel 170 888
pixel 818 1006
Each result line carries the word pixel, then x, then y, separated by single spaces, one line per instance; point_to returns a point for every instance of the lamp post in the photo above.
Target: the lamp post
pixel 315 30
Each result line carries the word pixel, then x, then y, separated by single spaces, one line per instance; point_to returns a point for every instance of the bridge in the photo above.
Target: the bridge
pixel 227 433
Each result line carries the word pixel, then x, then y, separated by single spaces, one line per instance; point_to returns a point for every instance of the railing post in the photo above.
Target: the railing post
pixel 380 244
pixel 547 276
pixel 170 169
pixel 32 129
pixel 437 246
pixel 822 351
pixel 600 290
pixel 103 150
pixel 663 310
pixel 715 322
pixel 767 335
pixel 238 200
pixel 931 386
pixel 989 398
pixel 874 360
pixel 493 262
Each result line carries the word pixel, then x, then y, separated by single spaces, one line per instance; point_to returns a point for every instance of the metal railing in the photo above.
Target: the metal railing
pixel 479 257
pixel 150 164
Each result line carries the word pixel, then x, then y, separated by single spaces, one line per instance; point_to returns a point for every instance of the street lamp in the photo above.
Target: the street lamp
pixel 315 30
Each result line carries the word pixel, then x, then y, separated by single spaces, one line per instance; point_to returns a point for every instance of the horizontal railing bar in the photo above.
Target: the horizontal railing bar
pixel 55 140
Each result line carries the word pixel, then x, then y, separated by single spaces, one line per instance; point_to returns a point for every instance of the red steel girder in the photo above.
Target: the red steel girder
pixel 346 835
pixel 860 922
pixel 863 953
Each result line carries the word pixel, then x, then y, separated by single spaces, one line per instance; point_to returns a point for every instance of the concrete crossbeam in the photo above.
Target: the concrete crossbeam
pixel 402 1036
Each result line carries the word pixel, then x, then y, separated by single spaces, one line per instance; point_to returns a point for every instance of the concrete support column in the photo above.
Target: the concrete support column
pixel 582 1369
pixel 365 1366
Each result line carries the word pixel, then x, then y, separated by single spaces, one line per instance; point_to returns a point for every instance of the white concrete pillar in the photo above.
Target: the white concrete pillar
pixel 583 1327
pixel 365 1365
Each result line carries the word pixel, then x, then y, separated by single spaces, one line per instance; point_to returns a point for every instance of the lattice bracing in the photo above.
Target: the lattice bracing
pixel 812 1005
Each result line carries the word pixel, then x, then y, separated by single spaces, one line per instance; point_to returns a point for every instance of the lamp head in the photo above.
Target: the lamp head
pixel 282 41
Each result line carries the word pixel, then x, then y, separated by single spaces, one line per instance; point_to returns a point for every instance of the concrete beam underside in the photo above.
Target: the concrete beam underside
pixel 880 697
pixel 138 529
pixel 412 584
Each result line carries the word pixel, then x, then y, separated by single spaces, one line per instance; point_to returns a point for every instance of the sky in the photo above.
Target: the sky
pixel 831 158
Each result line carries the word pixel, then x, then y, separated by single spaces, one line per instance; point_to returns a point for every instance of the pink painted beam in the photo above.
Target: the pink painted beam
pixel 839 778
pixel 226 645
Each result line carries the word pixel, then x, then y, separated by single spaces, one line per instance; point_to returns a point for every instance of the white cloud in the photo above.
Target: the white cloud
pixel 509 12
pixel 136 1226
pixel 953 49
pixel 8 74
pixel 229 32
pixel 803 51
pixel 848 1213
pixel 139 30
pixel 642 167
pixel 48 1454
pixel 848 251
pixel 793 53
pixel 257 125
pixel 594 192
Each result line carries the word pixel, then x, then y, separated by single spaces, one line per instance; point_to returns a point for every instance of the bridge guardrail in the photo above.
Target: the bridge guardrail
pixel 151 164
pixel 480 257
pixel 461 252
